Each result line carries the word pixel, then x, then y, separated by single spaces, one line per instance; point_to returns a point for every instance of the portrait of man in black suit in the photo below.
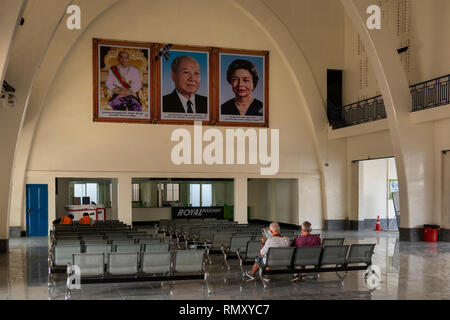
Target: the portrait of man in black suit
pixel 186 78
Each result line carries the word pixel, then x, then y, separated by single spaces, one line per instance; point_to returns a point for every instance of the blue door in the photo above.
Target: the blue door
pixel 37 210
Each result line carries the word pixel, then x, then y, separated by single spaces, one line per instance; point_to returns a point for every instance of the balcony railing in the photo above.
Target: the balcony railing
pixel 364 111
pixel 428 94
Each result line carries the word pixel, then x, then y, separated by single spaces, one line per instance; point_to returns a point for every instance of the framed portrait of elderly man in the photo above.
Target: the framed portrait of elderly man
pixel 122 81
pixel 184 85
pixel 243 88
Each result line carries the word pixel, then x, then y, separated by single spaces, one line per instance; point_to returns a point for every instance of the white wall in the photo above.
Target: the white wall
pixel 151 214
pixel 285 200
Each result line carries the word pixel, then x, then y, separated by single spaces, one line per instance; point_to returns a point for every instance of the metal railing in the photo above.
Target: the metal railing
pixel 428 94
pixel 364 111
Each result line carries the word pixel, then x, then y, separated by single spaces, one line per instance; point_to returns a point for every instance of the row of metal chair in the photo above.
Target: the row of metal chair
pixel 246 252
pixel 205 233
pixel 133 263
pixel 145 266
pixel 318 259
pixel 61 254
pixel 85 241
pixel 99 235
pixel 96 225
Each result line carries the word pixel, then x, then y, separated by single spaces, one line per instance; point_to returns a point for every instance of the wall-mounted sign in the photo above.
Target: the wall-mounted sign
pixel 393 187
pixel 197 212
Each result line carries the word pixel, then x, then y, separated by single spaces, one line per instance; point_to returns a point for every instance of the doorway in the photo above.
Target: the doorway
pixel 37 210
pixel 376 181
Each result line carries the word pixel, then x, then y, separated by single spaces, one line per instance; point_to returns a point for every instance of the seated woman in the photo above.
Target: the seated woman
pixel 243 77
pixel 305 239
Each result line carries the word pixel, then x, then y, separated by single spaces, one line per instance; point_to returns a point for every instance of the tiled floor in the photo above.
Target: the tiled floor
pixel 417 270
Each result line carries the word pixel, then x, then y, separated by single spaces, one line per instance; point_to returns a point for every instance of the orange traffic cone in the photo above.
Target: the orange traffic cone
pixel 378 228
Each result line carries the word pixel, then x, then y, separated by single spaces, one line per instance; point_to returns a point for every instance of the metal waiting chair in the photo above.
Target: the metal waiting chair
pixel 123 242
pixel 99 248
pixel 332 242
pixel 146 241
pixel 156 262
pixel 205 236
pixel 161 246
pixel 188 261
pixel 92 237
pixel 219 240
pixel 95 242
pixel 360 254
pixel 278 258
pixel 248 256
pixel 238 243
pixel 129 248
pixel 90 264
pixel 191 262
pixel 123 263
pixel 62 254
pixel 66 242
pixel 307 257
pixel 132 247
pixel 336 255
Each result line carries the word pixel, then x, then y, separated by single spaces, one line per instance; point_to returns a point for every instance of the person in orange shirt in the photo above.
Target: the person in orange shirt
pixel 67 220
pixel 85 219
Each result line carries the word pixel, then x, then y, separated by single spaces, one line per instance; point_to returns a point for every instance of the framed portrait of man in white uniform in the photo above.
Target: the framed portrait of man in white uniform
pixel 122 81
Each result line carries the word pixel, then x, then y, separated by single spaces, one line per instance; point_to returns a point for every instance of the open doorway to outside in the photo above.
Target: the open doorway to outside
pixel 376 182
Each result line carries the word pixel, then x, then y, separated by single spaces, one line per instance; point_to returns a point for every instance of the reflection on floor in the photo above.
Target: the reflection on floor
pixel 417 270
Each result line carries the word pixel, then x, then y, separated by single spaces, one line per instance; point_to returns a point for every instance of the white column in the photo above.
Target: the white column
pixel 124 206
pixel 240 200
pixel 113 215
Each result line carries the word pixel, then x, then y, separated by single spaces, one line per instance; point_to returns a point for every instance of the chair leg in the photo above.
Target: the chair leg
pixel 261 278
pixel 68 282
pixel 207 254
pixel 206 283
pixel 49 277
pixel 242 268
pixel 225 258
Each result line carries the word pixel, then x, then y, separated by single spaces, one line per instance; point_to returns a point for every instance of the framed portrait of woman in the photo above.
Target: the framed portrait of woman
pixel 243 88
pixel 122 81
pixel 184 88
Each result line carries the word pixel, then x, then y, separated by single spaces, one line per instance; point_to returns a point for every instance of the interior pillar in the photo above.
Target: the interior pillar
pixel 124 207
pixel 240 200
